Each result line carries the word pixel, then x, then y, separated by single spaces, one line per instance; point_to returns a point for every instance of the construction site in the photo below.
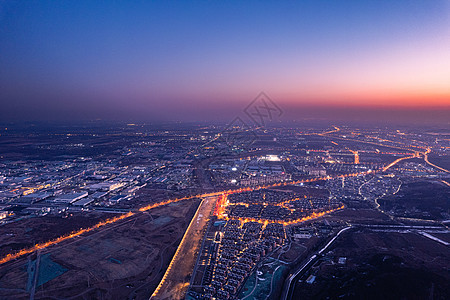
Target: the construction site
pixel 125 260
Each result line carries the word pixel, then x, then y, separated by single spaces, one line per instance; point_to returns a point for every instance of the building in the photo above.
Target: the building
pixel 84 202
pixel 70 198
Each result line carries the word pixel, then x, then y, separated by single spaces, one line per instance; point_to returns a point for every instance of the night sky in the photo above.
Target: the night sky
pixel 182 60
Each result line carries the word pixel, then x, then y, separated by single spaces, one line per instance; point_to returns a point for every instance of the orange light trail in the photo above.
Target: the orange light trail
pixel 221 203
pixel 176 255
pixel 60 239
pixel 355 153
pixel 336 129
pixel 224 203
pixel 312 216
pixel 416 154
pixel 431 164
pixel 12 256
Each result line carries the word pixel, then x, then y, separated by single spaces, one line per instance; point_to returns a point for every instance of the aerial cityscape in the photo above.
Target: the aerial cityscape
pixel 225 151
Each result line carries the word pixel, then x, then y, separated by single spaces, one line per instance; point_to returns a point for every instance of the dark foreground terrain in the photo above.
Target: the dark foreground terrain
pixel 380 265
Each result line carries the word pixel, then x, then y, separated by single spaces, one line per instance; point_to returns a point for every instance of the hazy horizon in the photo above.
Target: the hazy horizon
pixel 157 61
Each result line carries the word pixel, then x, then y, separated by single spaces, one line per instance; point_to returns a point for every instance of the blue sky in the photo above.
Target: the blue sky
pixel 100 58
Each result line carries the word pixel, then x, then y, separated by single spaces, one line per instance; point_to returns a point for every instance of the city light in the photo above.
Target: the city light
pixel 219 210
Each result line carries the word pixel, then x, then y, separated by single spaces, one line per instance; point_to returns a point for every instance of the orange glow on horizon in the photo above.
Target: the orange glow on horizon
pixel 371 100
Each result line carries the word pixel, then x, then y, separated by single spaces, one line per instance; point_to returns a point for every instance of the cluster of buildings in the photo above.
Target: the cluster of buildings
pixel 276 205
pixel 419 170
pixel 95 180
pixel 237 248
pixel 264 170
pixel 261 196
pixel 249 171
pixel 40 188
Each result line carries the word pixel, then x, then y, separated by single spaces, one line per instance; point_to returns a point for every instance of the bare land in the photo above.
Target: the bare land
pixel 379 265
pixel 125 260
pixel 176 281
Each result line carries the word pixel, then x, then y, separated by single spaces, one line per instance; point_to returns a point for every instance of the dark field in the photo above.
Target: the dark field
pixel 125 260
pixel 30 231
pixel 442 161
pixel 380 266
pixel 427 200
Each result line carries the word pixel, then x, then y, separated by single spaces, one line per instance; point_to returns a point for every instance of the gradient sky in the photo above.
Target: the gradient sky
pixel 200 60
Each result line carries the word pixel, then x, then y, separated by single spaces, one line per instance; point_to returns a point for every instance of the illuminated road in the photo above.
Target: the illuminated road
pixel 12 256
pixel 445 182
pixel 60 239
pixel 432 237
pixel 312 216
pixel 175 281
pixel 425 157
pixel 336 129
pixel 416 154
pixel 378 144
